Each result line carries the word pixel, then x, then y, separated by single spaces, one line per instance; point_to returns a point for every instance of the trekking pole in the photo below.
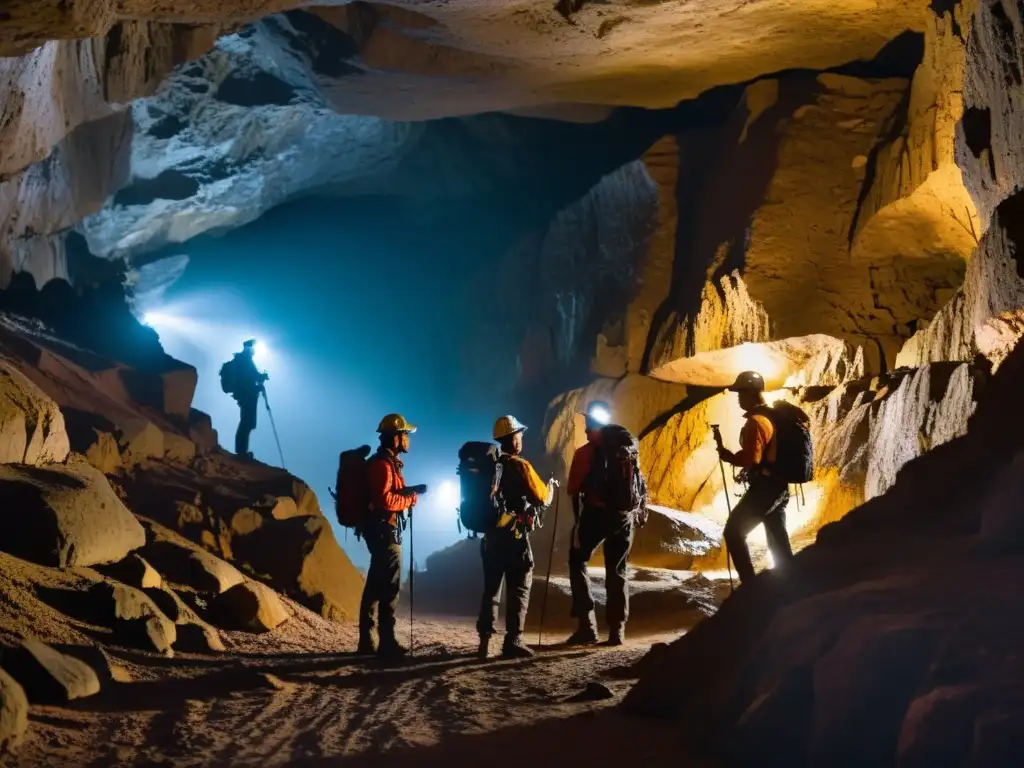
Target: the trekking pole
pixel 728 506
pixel 412 575
pixel 273 426
pixel 547 581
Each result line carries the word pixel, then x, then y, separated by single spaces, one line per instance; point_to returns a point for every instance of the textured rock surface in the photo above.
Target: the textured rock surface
pixel 65 515
pixel 986 315
pixel 851 657
pixel 181 562
pixel 496 56
pixel 766 253
pixel 13 714
pixel 251 607
pixel 48 676
pixel 31 425
pixel 135 617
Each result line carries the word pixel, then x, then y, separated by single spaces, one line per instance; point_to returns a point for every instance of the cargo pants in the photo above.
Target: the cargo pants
pixel 597 525
pixel 383 579
pixel 509 560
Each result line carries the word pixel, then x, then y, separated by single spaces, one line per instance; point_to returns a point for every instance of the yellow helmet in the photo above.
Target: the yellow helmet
pixel 507 426
pixel 394 423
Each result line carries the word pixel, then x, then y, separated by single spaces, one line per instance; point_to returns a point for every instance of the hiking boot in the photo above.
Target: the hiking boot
pixel 516 649
pixel 616 636
pixel 366 646
pixel 585 635
pixel 485 647
pixel 391 650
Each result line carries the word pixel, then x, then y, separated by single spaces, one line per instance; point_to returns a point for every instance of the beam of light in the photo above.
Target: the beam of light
pixel 261 353
pixel 448 494
pixel 599 414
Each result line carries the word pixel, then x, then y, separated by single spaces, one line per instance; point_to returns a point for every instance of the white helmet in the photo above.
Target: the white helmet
pixel 748 381
pixel 507 426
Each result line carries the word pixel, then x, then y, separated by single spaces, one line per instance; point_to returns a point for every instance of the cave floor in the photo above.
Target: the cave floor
pixel 261 707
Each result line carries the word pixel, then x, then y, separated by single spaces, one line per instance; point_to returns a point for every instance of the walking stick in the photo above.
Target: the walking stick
pixel 728 506
pixel 547 581
pixel 412 575
pixel 273 426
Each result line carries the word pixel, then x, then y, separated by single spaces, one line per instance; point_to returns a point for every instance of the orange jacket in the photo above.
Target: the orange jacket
pixel 384 477
pixel 579 471
pixel 757 443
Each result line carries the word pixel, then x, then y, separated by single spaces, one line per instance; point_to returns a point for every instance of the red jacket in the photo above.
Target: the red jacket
pixel 384 477
pixel 579 473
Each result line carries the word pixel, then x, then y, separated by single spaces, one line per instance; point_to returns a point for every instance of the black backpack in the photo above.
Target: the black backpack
pixel 615 474
pixel 479 477
pixel 229 376
pixel 794 451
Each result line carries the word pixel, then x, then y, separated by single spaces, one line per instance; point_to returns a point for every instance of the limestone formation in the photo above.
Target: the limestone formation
pixel 135 617
pixel 65 515
pixel 986 314
pixel 31 425
pixel 48 676
pixel 251 607
pixel 13 714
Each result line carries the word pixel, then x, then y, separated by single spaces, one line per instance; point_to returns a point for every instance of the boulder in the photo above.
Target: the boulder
pixel 673 539
pixel 251 607
pixel 178 448
pixel 194 634
pixel 32 428
pixel 301 558
pixel 13 713
pixel 134 616
pixel 134 571
pixel 64 515
pixel 48 676
pixel 184 563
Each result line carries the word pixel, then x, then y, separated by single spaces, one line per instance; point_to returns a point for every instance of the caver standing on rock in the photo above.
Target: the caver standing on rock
pixel 609 496
pixel 769 468
pixel 240 379
pixel 505 550
pixel 390 500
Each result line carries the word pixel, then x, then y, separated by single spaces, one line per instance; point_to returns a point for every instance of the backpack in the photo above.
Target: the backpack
pixel 615 474
pixel 229 376
pixel 479 477
pixel 794 451
pixel 352 491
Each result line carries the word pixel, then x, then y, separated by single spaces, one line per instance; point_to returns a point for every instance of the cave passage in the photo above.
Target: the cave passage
pixel 357 304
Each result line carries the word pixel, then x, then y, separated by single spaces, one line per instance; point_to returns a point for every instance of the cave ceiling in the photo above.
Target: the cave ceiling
pixel 414 60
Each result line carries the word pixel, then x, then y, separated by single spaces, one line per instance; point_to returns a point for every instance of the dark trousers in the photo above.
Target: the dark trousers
pixel 509 560
pixel 247 406
pixel 764 502
pixel 383 580
pixel 615 529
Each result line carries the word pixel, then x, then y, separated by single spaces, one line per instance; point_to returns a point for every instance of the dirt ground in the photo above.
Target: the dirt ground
pixel 316 703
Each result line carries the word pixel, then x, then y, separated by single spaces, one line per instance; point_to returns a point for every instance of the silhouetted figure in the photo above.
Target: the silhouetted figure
pixel 390 501
pixel 505 550
pixel 766 499
pixel 609 498
pixel 240 378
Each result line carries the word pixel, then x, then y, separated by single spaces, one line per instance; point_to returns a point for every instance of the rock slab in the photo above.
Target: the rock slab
pixel 64 516
pixel 48 676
